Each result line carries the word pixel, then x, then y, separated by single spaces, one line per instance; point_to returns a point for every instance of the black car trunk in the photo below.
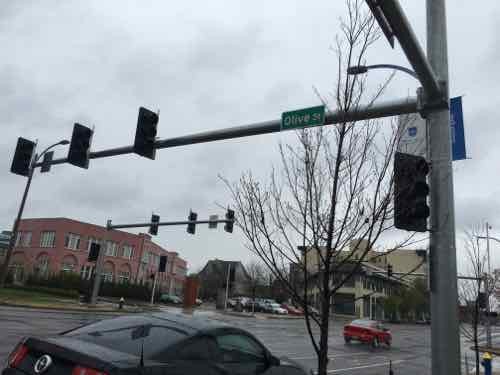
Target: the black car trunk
pixel 67 352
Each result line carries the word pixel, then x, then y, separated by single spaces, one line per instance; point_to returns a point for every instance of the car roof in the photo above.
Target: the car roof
pixel 193 324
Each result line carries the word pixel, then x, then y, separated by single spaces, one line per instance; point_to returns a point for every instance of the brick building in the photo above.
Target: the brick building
pixel 52 245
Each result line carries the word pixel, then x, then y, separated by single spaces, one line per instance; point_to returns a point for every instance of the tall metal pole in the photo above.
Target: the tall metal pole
pixel 227 285
pixel 445 337
pixel 154 288
pixel 12 242
pixel 487 286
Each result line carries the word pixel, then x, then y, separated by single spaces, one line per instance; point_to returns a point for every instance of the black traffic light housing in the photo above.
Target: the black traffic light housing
pixel 389 270
pixel 79 148
pixel 145 134
pixel 410 192
pixel 153 229
pixel 22 157
pixel 191 228
pixel 228 226
pixel 162 267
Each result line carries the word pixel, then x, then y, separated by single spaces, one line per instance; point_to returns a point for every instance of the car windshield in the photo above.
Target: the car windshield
pixel 275 305
pixel 117 334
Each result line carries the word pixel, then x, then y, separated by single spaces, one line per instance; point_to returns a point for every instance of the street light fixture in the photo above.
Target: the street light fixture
pixel 362 69
pixel 5 266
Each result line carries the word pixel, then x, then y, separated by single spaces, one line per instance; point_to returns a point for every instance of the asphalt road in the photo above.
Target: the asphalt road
pixel 410 353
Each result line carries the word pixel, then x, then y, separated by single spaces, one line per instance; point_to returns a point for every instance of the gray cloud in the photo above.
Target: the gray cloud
pixel 205 66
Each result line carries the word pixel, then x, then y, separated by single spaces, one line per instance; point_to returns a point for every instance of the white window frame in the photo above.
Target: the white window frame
pixel 48 238
pixel 123 277
pixel 67 267
pixel 129 249
pixel 111 249
pixel 72 241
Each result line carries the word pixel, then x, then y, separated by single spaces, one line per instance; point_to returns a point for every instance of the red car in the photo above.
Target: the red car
pixel 292 310
pixel 367 331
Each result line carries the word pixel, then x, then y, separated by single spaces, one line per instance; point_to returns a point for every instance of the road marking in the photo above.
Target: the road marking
pixel 365 366
pixel 339 356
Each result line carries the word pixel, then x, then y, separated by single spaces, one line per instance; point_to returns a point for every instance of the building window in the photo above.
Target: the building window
pixel 72 241
pixel 92 240
pixel 123 277
pixel 67 267
pixel 128 251
pixel 86 272
pixel 23 239
pixel 107 276
pixel 111 248
pixel 48 239
pixel 145 257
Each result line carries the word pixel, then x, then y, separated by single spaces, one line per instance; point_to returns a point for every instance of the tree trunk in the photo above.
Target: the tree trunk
pixel 323 342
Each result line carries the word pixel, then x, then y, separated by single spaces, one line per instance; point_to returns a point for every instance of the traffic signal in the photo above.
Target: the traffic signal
pixel 389 270
pixel 22 157
pixel 410 192
pixel 94 252
pixel 153 229
pixel 228 227
pixel 145 134
pixel 192 226
pixel 79 148
pixel 163 263
pixel 481 300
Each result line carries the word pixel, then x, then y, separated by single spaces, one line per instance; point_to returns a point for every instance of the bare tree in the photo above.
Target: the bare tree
pixel 335 186
pixel 257 277
pixel 474 292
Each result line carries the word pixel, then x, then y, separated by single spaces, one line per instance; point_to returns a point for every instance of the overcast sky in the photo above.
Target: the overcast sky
pixel 206 66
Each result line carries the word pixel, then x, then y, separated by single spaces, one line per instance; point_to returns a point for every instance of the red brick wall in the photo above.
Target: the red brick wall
pixel 141 243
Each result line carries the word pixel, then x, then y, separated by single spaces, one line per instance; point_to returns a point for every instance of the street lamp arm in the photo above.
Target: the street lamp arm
pixel 63 142
pixel 485 238
pixel 364 68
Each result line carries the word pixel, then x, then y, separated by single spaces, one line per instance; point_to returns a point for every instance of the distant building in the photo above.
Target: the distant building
pixel 4 242
pixel 214 276
pixel 362 295
pixel 52 245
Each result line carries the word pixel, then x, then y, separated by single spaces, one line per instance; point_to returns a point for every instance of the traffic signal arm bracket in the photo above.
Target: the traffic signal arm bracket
pixel 398 107
pixel 164 223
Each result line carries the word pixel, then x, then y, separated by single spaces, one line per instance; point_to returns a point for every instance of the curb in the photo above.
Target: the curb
pixel 72 309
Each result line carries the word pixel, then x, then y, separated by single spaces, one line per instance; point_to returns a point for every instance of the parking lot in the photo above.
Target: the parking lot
pixel 410 353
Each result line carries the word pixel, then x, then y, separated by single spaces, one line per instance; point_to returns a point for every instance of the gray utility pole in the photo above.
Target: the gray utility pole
pixel 445 334
pixel 227 285
pixel 487 286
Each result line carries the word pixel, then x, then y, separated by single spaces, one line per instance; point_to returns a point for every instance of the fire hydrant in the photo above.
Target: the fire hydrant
pixel 120 305
pixel 486 363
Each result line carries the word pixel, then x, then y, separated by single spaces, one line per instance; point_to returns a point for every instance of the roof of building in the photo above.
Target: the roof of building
pixel 91 224
pixel 220 266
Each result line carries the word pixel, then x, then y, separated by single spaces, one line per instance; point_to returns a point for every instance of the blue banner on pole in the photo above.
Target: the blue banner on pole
pixel 457 129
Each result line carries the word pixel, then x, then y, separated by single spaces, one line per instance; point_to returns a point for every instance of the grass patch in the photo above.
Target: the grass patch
pixel 24 296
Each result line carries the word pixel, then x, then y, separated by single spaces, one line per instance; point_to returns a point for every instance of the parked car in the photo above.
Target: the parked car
pixel 312 310
pixel 157 343
pixel 367 331
pixel 292 310
pixel 275 308
pixel 169 298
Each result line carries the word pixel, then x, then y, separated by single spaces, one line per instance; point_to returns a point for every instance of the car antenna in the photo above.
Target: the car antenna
pixel 141 363
pixel 141 332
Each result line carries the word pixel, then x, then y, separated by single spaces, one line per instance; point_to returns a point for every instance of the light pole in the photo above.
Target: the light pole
pixel 5 266
pixel 487 281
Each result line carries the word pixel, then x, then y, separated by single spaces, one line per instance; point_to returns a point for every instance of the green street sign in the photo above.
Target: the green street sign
pixel 303 118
